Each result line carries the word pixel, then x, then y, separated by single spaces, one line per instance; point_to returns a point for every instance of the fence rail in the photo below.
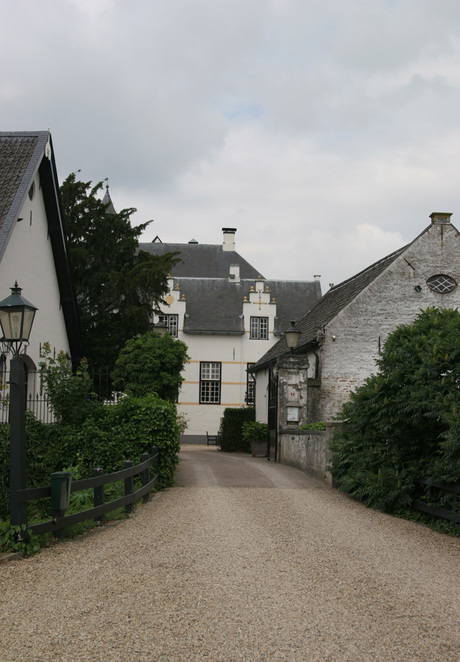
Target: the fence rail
pixel 453 513
pixel 60 521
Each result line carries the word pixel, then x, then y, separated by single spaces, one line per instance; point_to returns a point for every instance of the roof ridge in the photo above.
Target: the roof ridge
pixel 393 255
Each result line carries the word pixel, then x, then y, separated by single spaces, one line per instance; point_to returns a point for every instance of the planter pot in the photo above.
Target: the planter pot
pixel 258 448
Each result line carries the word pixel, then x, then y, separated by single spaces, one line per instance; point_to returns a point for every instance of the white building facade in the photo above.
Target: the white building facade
pixel 228 315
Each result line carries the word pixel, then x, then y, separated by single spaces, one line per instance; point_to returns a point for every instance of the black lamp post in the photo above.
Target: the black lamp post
pixel 292 336
pixel 16 319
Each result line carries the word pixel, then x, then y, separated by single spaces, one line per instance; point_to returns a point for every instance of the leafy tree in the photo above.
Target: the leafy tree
pixel 117 285
pixel 151 364
pixel 403 425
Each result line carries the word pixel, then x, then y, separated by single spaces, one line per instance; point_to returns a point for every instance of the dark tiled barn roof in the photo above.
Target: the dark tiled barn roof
pixel 329 306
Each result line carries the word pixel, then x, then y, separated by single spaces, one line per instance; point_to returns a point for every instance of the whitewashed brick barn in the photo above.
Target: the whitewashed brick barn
pixel 342 335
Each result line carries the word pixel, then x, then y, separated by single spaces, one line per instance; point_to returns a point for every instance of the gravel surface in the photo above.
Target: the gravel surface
pixel 241 560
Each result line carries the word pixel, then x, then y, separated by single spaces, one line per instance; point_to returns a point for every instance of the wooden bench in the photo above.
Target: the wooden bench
pixel 212 439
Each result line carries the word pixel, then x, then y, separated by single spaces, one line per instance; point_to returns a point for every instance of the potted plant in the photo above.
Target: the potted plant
pixel 256 436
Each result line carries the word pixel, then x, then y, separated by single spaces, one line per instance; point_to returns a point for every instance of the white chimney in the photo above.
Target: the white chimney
pixel 229 239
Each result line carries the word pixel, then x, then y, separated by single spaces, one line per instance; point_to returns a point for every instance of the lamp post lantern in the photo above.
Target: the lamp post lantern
pixel 292 336
pixel 16 319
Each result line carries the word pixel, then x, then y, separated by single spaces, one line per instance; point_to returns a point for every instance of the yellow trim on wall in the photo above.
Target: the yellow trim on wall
pixel 223 362
pixel 206 404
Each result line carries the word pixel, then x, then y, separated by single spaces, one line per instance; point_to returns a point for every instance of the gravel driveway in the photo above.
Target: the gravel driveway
pixel 241 560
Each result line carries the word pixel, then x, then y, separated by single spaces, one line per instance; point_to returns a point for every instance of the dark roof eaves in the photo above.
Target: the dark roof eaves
pixel 203 332
pixel 56 228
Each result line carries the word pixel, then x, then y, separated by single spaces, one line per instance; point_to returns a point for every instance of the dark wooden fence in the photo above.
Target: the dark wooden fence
pixel 437 493
pixel 60 521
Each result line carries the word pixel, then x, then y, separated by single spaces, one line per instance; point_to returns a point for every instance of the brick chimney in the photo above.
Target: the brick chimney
pixel 440 218
pixel 229 239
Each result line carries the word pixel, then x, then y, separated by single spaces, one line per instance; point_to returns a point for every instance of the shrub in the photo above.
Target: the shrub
pixel 230 431
pixel 69 392
pixel 402 425
pixel 254 431
pixel 313 426
pixel 111 435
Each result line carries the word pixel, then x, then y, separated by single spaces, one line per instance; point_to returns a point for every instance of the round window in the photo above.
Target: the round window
pixel 441 283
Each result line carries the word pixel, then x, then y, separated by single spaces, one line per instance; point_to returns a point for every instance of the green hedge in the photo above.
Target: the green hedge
pixel 230 431
pixel 111 435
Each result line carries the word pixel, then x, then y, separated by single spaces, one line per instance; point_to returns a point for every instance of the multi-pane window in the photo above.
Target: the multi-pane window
pixel 210 383
pixel 250 386
pixel 258 328
pixel 172 322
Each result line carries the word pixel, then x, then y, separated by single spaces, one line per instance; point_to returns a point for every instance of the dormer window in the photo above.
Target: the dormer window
pixel 441 284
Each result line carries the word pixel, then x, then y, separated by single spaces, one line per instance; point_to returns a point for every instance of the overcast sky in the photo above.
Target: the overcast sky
pixel 325 131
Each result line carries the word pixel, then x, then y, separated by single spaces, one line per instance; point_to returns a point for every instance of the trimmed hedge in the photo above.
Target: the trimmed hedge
pixel 111 435
pixel 230 431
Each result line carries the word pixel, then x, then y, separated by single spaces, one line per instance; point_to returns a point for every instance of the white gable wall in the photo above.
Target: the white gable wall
pixel 353 337
pixel 28 259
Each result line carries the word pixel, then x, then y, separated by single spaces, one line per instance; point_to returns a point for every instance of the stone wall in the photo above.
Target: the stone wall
pixel 308 450
pixel 354 338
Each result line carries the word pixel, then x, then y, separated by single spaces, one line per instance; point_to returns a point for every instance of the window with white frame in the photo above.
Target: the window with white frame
pixel 258 328
pixel 210 380
pixel 172 322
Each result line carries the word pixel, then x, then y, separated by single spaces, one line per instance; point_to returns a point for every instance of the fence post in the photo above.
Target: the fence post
pixel 129 482
pixel 145 476
pixel 99 495
pixel 155 454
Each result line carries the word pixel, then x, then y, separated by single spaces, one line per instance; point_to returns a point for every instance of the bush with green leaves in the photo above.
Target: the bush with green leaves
pixel 313 426
pixel 254 431
pixel 16 538
pixel 403 424
pixel 69 392
pixel 106 438
pixel 231 429
pixel 151 364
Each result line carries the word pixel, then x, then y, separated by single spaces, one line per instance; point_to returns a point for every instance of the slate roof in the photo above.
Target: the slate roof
pixel 22 154
pixel 335 300
pixel 215 305
pixel 202 260
pixel 293 298
pixel 19 161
